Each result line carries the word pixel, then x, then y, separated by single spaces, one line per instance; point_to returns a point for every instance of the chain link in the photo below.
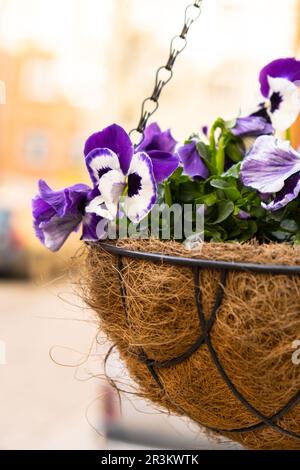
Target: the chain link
pixel 165 73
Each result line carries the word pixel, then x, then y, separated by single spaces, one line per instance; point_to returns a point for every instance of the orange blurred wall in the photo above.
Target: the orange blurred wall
pixel 38 127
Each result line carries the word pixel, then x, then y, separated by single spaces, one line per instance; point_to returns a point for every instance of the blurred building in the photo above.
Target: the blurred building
pixel 39 135
pixel 39 128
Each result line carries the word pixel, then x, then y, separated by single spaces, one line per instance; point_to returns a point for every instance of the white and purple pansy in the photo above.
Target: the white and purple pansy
pixel 272 167
pixel 279 81
pixel 117 170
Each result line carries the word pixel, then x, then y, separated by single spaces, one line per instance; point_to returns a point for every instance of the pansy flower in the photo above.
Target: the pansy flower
pixel 155 140
pixel 115 170
pixel 279 88
pixel 118 170
pixel 251 126
pixel 248 129
pixel 193 164
pixel 56 214
pixel 272 167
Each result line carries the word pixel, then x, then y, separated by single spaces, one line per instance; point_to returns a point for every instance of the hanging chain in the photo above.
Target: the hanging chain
pixel 165 72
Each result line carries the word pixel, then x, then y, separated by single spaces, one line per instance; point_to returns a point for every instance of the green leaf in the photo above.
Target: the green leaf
pixel 232 193
pixel 219 183
pixel 168 194
pixel 234 171
pixel 208 199
pixel 277 216
pixel 280 236
pixel 214 235
pixel 233 152
pixel 258 212
pixel 225 209
pixel 203 150
pixel 178 176
pixel 297 238
pixel 189 191
pixel 249 232
pixel 289 225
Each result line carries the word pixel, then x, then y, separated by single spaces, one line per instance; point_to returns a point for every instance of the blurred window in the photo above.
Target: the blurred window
pixel 36 147
pixel 38 81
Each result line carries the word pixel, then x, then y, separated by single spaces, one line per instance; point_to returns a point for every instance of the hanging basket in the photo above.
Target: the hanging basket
pixel 207 334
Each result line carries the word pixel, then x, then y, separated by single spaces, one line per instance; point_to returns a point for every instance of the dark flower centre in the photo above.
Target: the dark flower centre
pixel 262 112
pixel 102 171
pixel 276 100
pixel 134 184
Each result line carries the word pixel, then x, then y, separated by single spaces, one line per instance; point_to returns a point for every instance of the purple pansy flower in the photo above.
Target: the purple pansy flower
pixel 205 130
pixel 273 167
pixel 154 139
pixel 278 82
pixel 58 213
pixel 117 170
pixel 193 164
pixel 160 147
pixel 251 126
pixel 243 215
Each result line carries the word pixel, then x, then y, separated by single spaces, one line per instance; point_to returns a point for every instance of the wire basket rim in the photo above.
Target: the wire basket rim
pixel 199 262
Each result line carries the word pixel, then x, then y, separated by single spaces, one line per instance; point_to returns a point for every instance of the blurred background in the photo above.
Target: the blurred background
pixel 67 69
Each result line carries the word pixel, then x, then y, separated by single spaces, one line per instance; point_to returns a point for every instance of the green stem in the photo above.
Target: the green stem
pixel 218 124
pixel 168 194
pixel 220 156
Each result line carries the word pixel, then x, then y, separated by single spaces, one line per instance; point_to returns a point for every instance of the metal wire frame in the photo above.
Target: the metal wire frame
pixel 206 326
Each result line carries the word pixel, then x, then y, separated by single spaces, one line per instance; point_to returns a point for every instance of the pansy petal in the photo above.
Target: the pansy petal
pixel 57 229
pixel 288 68
pixel 285 103
pixel 100 161
pixel 193 164
pixel 57 213
pixel 243 215
pixel 155 139
pixel 94 228
pixel 141 188
pixel 97 206
pixel 287 194
pixel 114 138
pixel 269 163
pixel 149 133
pixel 67 200
pixel 41 210
pixel 111 187
pixel 251 126
pixel 163 163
